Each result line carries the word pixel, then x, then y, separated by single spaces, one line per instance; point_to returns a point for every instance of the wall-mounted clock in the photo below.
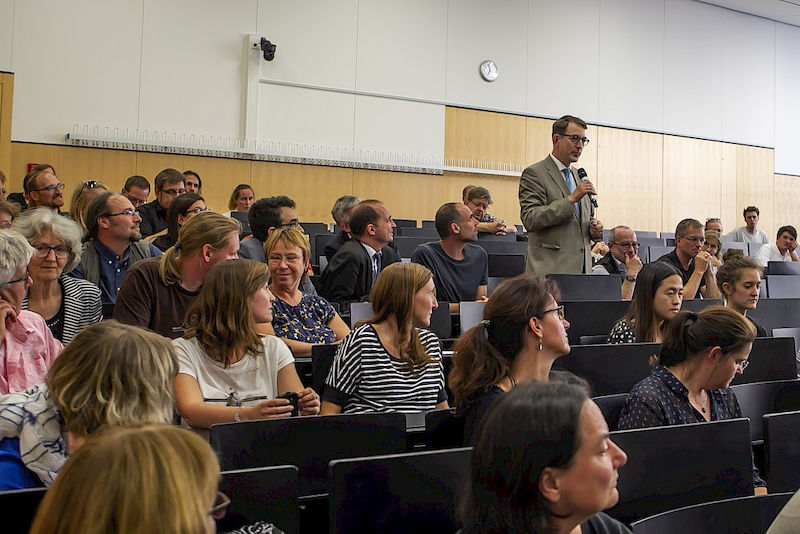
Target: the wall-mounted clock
pixel 488 70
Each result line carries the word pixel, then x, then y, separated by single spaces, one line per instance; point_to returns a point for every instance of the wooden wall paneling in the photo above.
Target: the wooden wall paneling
pixel 313 188
pixel 6 103
pixel 484 136
pixel 787 201
pixel 755 184
pixel 692 180
pixel 24 153
pixel 629 178
pixel 730 211
pixel 220 176
pixel 408 196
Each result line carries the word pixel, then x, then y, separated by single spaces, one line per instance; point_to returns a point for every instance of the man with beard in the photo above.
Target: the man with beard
pixel 43 189
pixel 113 244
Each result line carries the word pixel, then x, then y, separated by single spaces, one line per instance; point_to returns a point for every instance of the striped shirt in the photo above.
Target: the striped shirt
pixel 364 377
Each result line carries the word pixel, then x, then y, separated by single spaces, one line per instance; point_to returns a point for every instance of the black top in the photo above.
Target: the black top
pixel 56 322
pixel 154 218
pixel 760 330
pixel 600 523
pixel 475 411
pixel 672 259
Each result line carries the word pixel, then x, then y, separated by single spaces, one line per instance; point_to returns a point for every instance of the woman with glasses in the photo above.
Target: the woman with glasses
pixel 67 304
pixel 657 297
pixel 739 281
pixel 83 194
pixel 300 319
pixel 155 478
pixel 690 383
pixel 29 346
pixel 522 333
pixel 180 210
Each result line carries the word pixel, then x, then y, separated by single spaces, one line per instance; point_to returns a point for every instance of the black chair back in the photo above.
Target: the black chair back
pixel 592 318
pixel 715 464
pixel 414 492
pixel 782 451
pixel 440 321
pixel 407 245
pixel 783 286
pixel 308 443
pixel 783 267
pixel 410 231
pixel 321 362
pixel 588 287
pixel 594 340
pixel 777 313
pixel 503 246
pixel 493 282
pixel 653 253
pixel 428 224
pixel 611 406
pixel 793 333
pixel 443 429
pixel 506 265
pixel 760 398
pixel 266 494
pixel 743 515
pixel 19 508
pixel 405 223
pixel 772 358
pixel 609 369
pixel 314 228
pixel 320 240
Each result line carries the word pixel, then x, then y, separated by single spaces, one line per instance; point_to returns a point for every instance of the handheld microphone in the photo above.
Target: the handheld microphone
pixel 585 178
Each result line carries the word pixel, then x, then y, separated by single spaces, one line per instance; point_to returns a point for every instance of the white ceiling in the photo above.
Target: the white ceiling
pixel 787 11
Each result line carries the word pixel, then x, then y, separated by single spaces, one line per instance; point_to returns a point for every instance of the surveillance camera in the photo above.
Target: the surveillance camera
pixel 268 49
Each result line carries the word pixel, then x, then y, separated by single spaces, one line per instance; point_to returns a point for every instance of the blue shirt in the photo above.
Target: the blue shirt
pixel 112 269
pixel 13 473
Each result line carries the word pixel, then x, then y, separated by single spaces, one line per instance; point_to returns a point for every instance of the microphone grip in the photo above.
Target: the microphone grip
pixel 585 178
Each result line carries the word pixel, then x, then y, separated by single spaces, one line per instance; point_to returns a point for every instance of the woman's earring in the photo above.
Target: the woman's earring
pixel 540 344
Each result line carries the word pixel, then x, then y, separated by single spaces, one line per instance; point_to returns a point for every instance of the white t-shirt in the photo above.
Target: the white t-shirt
pixel 770 252
pixel 741 234
pixel 247 382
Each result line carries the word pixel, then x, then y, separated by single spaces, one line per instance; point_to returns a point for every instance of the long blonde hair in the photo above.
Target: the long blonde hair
pixel 220 317
pixel 134 480
pixel 207 228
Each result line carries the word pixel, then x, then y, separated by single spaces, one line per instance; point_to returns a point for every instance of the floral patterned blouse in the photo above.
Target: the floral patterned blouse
pixel 307 322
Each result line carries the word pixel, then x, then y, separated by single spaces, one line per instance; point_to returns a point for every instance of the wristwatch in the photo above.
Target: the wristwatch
pixel 629 278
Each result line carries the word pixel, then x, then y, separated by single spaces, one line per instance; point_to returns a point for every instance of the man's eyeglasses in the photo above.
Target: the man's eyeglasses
pixel 221 504
pixel 576 138
pixel 42 251
pixel 558 309
pixel 127 213
pixel 294 223
pixel 59 186
pixel 197 210
pixel 742 365
pixel 694 239
pixel 25 280
pixel 625 244
pixel 174 192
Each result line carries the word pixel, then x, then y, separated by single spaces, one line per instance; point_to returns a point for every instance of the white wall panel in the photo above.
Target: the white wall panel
pixel 397 126
pixel 748 79
pixel 631 87
pixel 693 69
pixel 402 47
pixel 479 30
pixel 192 79
pixel 562 69
pixel 316 40
pixel 787 105
pixel 6 33
pixel 305 116
pixel 73 66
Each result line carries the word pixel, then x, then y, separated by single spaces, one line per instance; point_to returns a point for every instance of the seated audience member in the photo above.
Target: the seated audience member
pixel 657 298
pixel 739 281
pixel 692 263
pixel 136 189
pixel 299 319
pixel 82 196
pixel 181 210
pixel 714 224
pixel 389 363
pixel 543 462
pixel 240 202
pixel 341 212
pixel 43 189
pixel 169 185
pixel 459 267
pixel 354 268
pixel 713 246
pixel 155 478
pixel 156 292
pixel 690 383
pixel 732 253
pixel 28 346
pixel 599 247
pixel 623 261
pixel 523 332
pixel 67 304
pixel 786 521
pixel 110 375
pixel 8 212
pixel 193 182
pixel 113 243
pixel 749 233
pixel 228 371
pixel 784 248
pixel 477 199
pixel 3 186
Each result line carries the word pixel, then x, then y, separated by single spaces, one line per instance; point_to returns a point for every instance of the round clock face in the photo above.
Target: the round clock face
pixel 489 71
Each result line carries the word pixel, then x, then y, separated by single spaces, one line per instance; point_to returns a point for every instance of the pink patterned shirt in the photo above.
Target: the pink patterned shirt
pixel 26 353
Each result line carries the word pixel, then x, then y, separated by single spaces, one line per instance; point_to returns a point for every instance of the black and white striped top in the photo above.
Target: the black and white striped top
pixel 81 303
pixel 364 377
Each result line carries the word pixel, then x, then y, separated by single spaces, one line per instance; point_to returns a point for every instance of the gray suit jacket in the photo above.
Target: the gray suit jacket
pixel 558 242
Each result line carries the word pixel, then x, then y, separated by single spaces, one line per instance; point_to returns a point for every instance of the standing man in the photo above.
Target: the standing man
pixel 555 206
pixel 749 233
pixel 43 189
pixel 623 259
pixel 169 184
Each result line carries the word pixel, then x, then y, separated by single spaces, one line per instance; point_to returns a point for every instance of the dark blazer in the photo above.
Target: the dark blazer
pixel 341 238
pixel 348 276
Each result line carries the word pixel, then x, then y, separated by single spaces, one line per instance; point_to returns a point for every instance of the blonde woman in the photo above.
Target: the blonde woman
pixel 82 196
pixel 228 371
pixel 389 363
pixel 155 478
pixel 156 292
pixel 109 375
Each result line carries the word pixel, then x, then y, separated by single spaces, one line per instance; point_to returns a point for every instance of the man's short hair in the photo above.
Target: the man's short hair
pixel 364 214
pixel 466 190
pixel 168 177
pixel 561 125
pixel 192 173
pixel 97 208
pixel 445 216
pixel 791 229
pixel 751 208
pixel 685 225
pixel 341 207
pixel 265 213
pixel 479 192
pixel 29 182
pixel 612 235
pixel 136 181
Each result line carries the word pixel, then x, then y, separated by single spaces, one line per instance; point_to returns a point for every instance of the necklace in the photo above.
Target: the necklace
pixel 702 403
